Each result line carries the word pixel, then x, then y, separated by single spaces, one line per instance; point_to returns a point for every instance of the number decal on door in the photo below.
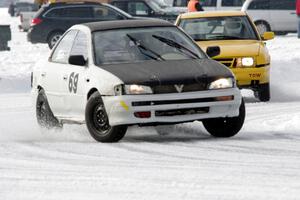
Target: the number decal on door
pixel 73 82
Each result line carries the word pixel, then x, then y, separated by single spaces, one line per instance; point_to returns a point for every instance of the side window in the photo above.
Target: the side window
pixel 104 13
pixel 78 12
pixel 80 46
pixel 138 8
pixel 232 3
pixel 62 50
pixel 259 5
pixel 283 5
pixel 54 13
pixel 121 5
pixel 209 3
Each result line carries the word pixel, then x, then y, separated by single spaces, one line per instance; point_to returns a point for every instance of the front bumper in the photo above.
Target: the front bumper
pixel 121 109
pixel 252 76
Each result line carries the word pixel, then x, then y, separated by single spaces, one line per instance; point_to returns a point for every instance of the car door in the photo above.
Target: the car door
pixel 74 85
pixel 52 75
pixel 283 15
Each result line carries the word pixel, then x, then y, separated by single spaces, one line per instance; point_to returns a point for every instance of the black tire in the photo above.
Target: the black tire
pixel 226 127
pixel 263 92
pixel 53 38
pixel 98 124
pixel 44 115
pixel 262 27
pixel 281 33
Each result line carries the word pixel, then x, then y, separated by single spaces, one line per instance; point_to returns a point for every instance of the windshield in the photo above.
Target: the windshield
pixel 219 28
pixel 142 44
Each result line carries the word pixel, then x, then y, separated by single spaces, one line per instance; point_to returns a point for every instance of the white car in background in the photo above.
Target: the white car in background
pixel 25 20
pixel 278 16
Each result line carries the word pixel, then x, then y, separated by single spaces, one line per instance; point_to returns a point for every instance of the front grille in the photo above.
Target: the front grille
pixel 228 62
pixel 184 111
pixel 164 89
pixel 166 102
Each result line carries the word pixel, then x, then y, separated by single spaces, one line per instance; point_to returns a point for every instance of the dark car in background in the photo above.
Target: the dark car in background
pixel 54 19
pixel 146 8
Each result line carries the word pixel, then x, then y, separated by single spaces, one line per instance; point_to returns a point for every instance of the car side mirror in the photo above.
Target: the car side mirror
pixel 213 51
pixel 77 60
pixel 267 36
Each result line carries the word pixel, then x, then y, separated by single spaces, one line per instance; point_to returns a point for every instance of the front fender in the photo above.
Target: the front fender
pixel 103 81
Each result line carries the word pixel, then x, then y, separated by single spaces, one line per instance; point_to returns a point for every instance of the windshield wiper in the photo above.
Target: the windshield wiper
pixel 142 47
pixel 176 45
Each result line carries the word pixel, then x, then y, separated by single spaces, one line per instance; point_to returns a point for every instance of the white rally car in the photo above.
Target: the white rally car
pixel 111 75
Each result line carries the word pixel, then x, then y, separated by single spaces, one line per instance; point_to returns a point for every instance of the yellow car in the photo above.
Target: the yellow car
pixel 243 50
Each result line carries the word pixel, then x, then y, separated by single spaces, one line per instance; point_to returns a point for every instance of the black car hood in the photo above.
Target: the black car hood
pixel 152 73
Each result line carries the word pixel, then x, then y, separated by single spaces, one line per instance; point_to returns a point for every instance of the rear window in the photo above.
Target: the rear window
pixel 55 13
pixel 71 12
pixel 259 5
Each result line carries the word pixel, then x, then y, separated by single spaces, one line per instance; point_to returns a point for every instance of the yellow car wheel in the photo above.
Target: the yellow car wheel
pixel 263 92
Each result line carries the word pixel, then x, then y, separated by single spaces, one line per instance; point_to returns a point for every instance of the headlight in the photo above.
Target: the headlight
pixel 221 84
pixel 137 89
pixel 132 89
pixel 245 62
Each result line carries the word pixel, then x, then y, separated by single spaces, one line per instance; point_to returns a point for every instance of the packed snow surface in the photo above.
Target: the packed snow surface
pixel 261 162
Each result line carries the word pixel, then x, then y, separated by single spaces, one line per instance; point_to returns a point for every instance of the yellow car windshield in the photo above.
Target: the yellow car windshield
pixel 219 28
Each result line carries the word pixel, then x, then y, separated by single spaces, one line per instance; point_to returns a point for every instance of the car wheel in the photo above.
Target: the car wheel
pixel 226 127
pixel 53 38
pixel 263 92
pixel 97 121
pixel 45 117
pixel 262 27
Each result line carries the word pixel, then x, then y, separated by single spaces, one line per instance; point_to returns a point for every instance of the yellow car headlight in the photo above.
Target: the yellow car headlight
pixel 221 84
pixel 245 62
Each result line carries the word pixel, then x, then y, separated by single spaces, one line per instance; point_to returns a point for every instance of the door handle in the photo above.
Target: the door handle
pixel 43 74
pixel 65 77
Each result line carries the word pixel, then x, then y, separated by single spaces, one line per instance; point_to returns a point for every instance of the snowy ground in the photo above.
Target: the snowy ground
pixel 262 162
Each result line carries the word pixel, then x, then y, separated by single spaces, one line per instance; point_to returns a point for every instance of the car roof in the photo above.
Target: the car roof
pixel 133 23
pixel 73 3
pixel 212 14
